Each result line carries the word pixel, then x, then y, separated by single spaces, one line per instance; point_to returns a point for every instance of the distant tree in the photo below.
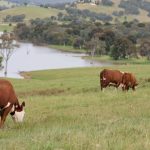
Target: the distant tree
pixel 132 38
pixel 95 47
pixel 91 46
pixel 60 15
pixel 6 48
pixel 142 25
pixel 145 49
pixel 122 48
pixel 22 31
pixel 78 43
pixel 107 2
pixel 25 3
pixel 16 18
pixel 109 37
pixel 53 18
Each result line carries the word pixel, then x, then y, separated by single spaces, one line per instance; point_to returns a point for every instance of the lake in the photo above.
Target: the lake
pixel 29 57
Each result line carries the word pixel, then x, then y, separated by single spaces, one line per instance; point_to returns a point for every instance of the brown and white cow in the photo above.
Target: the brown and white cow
pixel 9 103
pixel 110 78
pixel 129 81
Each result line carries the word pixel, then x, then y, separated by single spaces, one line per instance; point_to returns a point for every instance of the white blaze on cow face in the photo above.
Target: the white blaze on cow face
pixel 104 78
pixel 17 112
pixel 18 116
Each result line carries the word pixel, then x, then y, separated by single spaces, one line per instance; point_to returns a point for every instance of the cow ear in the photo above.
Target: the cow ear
pixel 23 104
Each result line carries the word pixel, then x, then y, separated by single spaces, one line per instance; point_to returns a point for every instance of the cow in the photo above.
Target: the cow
pixel 129 81
pixel 110 78
pixel 9 103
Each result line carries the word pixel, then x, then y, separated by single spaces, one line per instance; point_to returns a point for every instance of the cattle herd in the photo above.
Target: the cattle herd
pixel 9 103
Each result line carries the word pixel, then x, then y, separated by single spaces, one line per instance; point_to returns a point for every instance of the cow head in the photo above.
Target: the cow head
pixel 17 112
pixel 104 82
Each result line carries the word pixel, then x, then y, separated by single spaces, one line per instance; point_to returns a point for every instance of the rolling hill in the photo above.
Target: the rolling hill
pixel 142 17
pixel 30 12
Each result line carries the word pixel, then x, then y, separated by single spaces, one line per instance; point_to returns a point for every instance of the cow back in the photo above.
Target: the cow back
pixel 7 93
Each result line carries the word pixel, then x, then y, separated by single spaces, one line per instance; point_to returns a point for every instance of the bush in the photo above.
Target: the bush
pixel 17 18
pixel 107 2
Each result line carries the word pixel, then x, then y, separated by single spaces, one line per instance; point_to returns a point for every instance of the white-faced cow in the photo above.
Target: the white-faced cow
pixel 110 78
pixel 9 103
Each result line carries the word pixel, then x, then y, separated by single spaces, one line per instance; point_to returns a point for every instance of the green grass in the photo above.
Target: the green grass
pixel 65 110
pixel 67 48
pixel 6 27
pixel 31 12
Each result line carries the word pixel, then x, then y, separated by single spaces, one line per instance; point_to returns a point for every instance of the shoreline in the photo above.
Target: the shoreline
pixel 25 75
pixel 68 49
pixel 103 58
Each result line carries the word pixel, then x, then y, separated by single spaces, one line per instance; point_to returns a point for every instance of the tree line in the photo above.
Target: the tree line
pixel 122 40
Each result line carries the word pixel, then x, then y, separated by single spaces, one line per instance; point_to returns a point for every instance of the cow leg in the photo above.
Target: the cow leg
pixel 104 86
pixel 117 85
pixel 127 87
pixel 133 88
pixel 4 115
pixel 124 88
pixel 101 87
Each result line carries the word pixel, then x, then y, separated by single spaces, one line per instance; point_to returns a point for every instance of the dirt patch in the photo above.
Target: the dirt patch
pixel 46 92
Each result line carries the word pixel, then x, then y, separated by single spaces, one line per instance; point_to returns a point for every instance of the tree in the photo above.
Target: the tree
pixel 107 2
pixel 145 49
pixel 6 48
pixel 95 46
pixel 122 48
pixel 109 37
pixel 78 43
pixel 60 15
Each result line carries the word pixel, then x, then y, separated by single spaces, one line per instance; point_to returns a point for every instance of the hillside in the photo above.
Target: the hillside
pixel 30 12
pixel 142 17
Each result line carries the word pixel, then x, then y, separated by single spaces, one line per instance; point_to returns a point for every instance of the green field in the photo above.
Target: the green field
pixel 31 12
pixel 65 110
pixel 6 27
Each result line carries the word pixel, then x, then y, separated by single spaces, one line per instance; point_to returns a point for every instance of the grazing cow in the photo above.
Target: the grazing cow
pixel 110 78
pixel 129 81
pixel 9 103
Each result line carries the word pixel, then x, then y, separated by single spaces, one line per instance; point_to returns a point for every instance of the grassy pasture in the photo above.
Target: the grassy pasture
pixel 65 110
pixel 6 27
pixel 31 12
